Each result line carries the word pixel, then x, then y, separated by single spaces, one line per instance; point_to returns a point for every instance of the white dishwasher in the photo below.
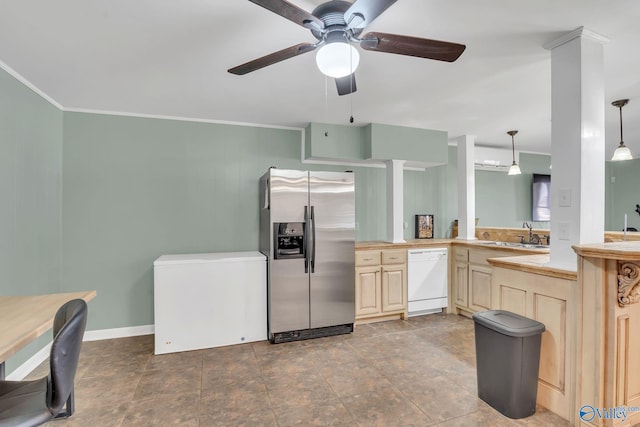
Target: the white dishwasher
pixel 427 280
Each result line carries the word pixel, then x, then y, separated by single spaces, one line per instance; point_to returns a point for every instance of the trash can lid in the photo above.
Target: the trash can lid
pixel 508 323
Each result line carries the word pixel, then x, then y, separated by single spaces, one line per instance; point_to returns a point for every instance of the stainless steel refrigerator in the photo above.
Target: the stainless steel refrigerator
pixel 307 232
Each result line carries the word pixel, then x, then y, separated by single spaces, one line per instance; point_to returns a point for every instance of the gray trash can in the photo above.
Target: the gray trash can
pixel 507 359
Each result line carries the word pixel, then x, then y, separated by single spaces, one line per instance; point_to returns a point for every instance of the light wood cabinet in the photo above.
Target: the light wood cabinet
pixel 368 287
pixel 549 300
pixel 479 287
pixel 460 282
pixel 472 278
pixel 394 295
pixel 381 284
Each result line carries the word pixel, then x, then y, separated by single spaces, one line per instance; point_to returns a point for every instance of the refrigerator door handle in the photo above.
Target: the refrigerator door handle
pixel 313 239
pixel 305 249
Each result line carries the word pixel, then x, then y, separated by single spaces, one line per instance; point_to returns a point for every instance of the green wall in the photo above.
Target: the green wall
pixel 503 200
pixel 137 188
pixel 424 193
pixel 506 201
pixel 90 200
pixel 30 196
pixel 622 194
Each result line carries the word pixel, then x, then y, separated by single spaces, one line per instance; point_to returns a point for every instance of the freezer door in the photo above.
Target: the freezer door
pixel 288 289
pixel 332 252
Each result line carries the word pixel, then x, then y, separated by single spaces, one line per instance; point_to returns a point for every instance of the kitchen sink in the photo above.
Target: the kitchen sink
pixel 517 245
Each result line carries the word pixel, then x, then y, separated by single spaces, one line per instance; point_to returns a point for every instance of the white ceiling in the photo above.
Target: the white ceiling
pixel 170 58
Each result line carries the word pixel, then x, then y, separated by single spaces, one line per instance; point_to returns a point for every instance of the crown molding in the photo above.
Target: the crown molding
pixel 580 32
pixel 13 73
pixel 177 118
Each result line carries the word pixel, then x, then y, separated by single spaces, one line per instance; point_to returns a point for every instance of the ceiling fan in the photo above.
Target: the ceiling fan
pixel 337 26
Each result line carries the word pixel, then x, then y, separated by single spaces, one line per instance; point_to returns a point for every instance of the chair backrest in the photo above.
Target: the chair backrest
pixel 68 331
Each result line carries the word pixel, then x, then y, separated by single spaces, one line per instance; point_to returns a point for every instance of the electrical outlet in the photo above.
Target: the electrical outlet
pixel 564 231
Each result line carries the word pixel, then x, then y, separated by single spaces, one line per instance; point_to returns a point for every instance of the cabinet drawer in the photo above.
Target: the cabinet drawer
pixel 394 256
pixel 462 255
pixel 367 257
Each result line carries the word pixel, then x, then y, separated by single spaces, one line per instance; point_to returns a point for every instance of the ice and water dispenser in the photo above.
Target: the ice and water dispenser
pixel 289 240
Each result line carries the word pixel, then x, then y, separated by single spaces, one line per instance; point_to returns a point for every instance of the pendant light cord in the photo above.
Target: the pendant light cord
pixel 621 140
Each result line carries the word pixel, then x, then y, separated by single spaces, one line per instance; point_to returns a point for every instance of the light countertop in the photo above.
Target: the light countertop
pixel 629 250
pixel 537 264
pixel 425 243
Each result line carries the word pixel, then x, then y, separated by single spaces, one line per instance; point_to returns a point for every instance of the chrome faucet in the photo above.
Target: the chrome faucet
pixel 533 238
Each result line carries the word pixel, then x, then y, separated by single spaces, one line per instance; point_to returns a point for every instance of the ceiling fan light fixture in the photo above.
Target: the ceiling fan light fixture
pixel 338 59
pixel 622 152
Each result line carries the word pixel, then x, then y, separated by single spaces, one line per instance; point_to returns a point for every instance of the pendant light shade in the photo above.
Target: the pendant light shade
pixel 514 169
pixel 622 152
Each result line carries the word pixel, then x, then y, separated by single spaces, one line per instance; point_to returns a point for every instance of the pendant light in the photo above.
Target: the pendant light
pixel 514 169
pixel 622 152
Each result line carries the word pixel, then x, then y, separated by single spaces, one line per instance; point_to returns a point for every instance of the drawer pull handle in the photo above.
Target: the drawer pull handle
pixel 393 257
pixel 367 259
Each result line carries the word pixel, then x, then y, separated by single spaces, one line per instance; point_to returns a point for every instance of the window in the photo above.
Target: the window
pixel 541 198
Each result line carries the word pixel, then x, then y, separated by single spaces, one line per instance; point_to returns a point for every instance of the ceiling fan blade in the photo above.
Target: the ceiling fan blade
pixel 346 85
pixel 272 58
pixel 292 13
pixel 362 12
pixel 412 46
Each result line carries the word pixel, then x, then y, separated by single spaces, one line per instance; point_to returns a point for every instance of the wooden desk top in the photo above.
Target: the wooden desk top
pixel 25 318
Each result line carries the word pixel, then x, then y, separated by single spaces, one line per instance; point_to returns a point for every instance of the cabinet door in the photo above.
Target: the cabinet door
pixel 394 294
pixel 461 284
pixel 479 288
pixel 368 296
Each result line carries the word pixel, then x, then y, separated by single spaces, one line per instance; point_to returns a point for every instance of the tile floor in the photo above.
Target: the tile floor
pixel 419 372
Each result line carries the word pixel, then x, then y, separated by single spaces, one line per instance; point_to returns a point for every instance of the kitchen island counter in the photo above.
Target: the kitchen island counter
pixel 536 264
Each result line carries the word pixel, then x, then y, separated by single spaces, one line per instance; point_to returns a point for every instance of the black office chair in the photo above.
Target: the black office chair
pixel 31 403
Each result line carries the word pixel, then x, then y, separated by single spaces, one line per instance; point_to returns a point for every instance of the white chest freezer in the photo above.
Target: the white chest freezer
pixel 209 300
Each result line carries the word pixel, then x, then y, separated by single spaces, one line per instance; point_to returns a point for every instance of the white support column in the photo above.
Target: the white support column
pixel 395 201
pixel 577 143
pixel 466 188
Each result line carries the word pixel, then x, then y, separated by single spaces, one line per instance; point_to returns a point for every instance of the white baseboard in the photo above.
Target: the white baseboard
pixel 102 334
pixel 107 334
pixel 31 364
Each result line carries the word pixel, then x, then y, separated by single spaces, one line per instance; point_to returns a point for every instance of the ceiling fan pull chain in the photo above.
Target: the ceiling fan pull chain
pixel 351 92
pixel 326 102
